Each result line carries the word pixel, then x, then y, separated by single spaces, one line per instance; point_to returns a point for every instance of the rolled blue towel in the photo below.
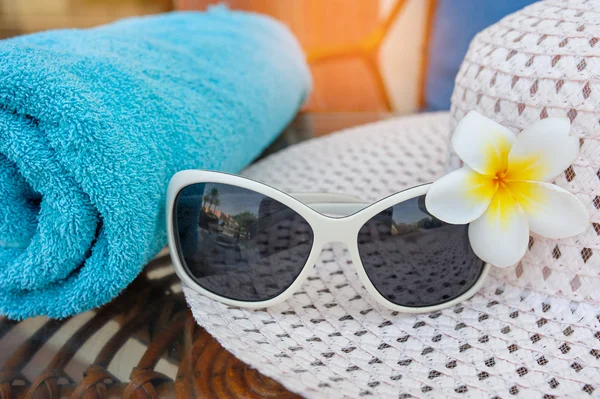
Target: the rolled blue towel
pixel 93 123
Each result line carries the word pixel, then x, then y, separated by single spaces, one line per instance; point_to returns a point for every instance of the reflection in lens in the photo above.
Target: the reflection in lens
pixel 416 260
pixel 238 243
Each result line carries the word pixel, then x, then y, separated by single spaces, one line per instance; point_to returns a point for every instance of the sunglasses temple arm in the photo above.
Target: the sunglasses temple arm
pixel 331 204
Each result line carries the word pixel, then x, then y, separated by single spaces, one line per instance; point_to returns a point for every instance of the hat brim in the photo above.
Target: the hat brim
pixel 331 339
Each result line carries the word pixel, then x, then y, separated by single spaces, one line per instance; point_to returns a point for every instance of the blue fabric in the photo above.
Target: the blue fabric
pixel 454 25
pixel 93 123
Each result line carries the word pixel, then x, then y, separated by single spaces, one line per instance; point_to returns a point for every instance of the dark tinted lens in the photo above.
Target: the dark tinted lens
pixel 414 259
pixel 238 243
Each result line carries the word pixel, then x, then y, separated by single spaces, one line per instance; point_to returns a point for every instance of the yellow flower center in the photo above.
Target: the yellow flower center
pixel 500 176
pixel 507 181
pixel 508 192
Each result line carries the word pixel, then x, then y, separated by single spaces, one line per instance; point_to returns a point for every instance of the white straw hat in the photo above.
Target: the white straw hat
pixel 533 330
pixel 541 62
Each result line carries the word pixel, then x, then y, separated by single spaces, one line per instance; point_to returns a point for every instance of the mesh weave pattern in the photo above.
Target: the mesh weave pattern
pixel 541 62
pixel 332 339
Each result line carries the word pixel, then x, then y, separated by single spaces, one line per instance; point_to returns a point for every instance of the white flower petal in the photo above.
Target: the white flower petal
pixel 543 151
pixel 500 236
pixel 482 144
pixel 552 211
pixel 460 197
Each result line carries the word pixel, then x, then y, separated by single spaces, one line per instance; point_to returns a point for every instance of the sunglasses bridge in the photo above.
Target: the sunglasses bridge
pixel 334 208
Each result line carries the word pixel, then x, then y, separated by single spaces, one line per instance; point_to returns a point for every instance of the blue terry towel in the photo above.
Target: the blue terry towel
pixel 93 123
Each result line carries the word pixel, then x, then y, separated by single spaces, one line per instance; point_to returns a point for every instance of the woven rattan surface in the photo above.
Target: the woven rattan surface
pixel 151 313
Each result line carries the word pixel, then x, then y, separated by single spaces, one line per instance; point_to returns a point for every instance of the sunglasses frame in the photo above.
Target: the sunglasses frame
pixel 326 229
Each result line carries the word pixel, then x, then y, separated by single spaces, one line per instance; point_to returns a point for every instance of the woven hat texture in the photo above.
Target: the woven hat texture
pixel 332 340
pixel 533 331
pixel 541 62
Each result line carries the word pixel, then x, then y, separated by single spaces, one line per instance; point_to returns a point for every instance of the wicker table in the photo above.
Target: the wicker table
pixel 145 343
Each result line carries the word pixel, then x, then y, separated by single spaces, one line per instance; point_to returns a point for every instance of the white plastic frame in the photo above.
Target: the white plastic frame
pixel 325 228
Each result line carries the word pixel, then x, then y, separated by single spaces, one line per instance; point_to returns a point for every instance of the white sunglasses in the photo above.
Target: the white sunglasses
pixel 250 245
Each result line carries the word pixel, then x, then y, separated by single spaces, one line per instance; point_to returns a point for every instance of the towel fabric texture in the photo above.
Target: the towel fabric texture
pixel 93 123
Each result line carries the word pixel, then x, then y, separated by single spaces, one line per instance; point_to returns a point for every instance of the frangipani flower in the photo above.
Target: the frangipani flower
pixel 501 190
